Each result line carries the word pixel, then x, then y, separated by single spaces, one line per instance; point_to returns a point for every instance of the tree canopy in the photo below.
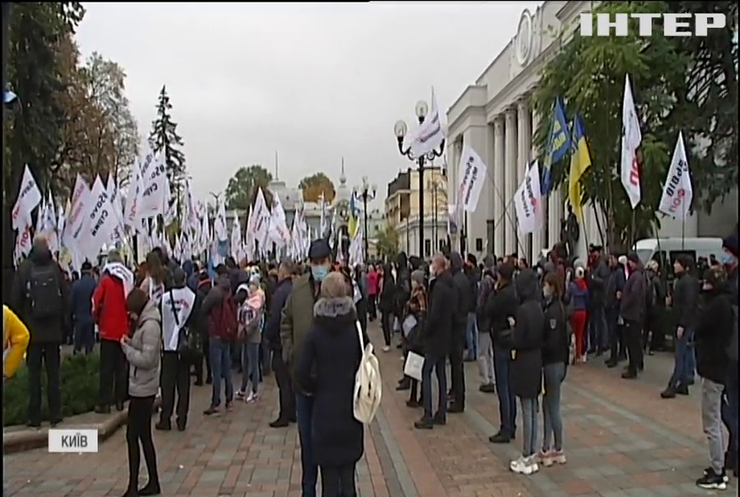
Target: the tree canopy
pixel 679 84
pixel 242 188
pixel 316 184
pixel 164 137
pixel 386 242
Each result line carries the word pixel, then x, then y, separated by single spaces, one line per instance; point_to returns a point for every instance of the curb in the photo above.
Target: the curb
pixel 28 439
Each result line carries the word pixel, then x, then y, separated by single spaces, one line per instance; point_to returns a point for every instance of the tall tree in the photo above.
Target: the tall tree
pixel 589 74
pixel 386 242
pixel 33 132
pixel 164 137
pixel 242 188
pixel 316 184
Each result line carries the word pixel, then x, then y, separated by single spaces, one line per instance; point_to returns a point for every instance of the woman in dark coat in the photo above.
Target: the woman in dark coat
pixel 386 304
pixel 326 368
pixel 525 380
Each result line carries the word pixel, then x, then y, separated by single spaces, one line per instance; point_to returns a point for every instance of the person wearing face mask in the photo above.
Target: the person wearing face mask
pixel 729 259
pixel 296 320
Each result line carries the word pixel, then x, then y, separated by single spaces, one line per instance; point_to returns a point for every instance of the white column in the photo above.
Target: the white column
pixel 499 204
pixel 510 181
pixel 538 237
pixel 524 137
pixel 554 216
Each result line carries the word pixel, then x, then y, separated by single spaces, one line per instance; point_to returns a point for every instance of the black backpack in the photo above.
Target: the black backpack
pixel 189 343
pixel 45 292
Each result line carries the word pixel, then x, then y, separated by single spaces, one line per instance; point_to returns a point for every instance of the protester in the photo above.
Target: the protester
pixel 39 297
pixel 729 257
pixel 296 321
pixel 416 310
pixel 142 350
pixel 578 290
pixel 527 340
pixel 462 305
pixel 555 353
pixel 15 342
pixel 657 312
pixel 632 313
pixel 372 292
pixel 483 324
pixel 156 277
pixel 614 288
pixel 685 303
pixel 251 301
pixel 81 303
pixel 109 309
pixel 286 413
pixel 436 341
pixel 203 286
pixel 598 277
pixel 328 360
pixel 179 319
pixel 471 328
pixel 500 310
pixel 387 288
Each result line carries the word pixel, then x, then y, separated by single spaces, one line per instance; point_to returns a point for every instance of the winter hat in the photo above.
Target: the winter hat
pixel 731 244
pixel 418 276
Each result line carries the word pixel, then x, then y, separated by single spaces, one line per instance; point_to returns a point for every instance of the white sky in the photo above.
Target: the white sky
pixel 314 82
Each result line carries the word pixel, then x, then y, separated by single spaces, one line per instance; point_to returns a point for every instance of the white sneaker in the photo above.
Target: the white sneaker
pixel 517 464
pixel 545 458
pixel 239 394
pixel 531 462
pixel 253 397
pixel 524 466
pixel 558 457
pixel 386 348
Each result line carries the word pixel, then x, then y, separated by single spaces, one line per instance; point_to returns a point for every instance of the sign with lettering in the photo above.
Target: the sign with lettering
pixel 528 202
pixel 73 440
pixel 472 172
pixel 641 24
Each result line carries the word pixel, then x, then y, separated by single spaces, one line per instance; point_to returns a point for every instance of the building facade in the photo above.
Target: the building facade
pixel 402 209
pixel 494 116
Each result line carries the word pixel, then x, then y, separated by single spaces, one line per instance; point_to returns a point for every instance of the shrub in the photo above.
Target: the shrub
pixel 78 383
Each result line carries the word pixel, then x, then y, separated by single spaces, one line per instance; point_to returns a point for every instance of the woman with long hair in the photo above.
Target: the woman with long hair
pixel 142 349
pixel 153 283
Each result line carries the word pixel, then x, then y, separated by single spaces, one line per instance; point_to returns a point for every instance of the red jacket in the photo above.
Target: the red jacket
pixel 109 308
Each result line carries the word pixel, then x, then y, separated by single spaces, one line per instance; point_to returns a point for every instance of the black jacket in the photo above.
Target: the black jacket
pixel 713 332
pixel 556 349
pixel 528 339
pixel 465 297
pixel 272 327
pixel 386 301
pixel 474 277
pixel 686 301
pixel 501 305
pixel 49 330
pixel 632 306
pixel 614 284
pixel 598 281
pixel 438 327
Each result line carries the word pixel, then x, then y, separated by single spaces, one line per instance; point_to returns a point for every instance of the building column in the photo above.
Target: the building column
pixel 555 216
pixel 538 237
pixel 510 181
pixel 499 204
pixel 524 138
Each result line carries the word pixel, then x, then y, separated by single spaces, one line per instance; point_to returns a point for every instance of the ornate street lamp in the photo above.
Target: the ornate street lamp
pixel 400 129
pixel 367 193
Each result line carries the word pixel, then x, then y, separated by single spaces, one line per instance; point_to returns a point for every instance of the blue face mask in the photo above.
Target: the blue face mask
pixel 728 259
pixel 319 272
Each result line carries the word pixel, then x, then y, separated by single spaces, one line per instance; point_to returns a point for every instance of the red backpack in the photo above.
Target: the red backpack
pixel 223 322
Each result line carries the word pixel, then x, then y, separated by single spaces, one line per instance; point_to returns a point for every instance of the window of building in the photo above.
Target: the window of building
pixel 479 244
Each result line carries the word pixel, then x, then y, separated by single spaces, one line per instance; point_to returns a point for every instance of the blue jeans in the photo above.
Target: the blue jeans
pixel 597 329
pixel 530 426
pixel 220 368
pixel 84 337
pixel 683 360
pixel 309 470
pixel 439 367
pixel 554 376
pixel 730 408
pixel 250 356
pixel 506 399
pixel 471 337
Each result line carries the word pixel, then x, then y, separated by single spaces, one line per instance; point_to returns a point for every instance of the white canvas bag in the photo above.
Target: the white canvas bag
pixel 368 384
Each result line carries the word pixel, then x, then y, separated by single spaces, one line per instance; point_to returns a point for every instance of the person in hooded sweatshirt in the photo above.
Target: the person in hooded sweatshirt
pixel 179 316
pixel 109 309
pixel 81 298
pixel 527 340
pixel 500 310
pixel 39 297
pixel 460 324
pixel 327 363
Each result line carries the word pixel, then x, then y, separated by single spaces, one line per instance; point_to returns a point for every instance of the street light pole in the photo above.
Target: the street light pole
pixel 367 193
pixel 400 130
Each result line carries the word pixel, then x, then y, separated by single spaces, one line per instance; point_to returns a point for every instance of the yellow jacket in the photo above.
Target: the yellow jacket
pixel 15 342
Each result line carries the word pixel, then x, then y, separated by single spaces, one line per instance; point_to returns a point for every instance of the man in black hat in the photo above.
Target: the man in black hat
pixel 296 320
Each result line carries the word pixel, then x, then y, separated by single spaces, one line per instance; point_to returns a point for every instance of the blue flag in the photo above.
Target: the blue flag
pixel 558 144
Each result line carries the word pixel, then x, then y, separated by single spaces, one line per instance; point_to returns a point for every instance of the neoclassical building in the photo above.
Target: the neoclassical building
pixel 493 115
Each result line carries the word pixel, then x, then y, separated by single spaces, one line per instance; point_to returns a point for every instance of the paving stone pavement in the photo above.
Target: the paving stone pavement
pixel 622 440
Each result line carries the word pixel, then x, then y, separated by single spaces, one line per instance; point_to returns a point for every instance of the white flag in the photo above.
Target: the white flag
pixel 261 221
pixel 631 140
pixel 102 221
pixel 677 191
pixel 153 196
pixel 472 177
pixel 528 202
pixel 279 232
pixel 219 224
pixel 78 219
pixel 131 216
pixel 428 135
pixel 29 196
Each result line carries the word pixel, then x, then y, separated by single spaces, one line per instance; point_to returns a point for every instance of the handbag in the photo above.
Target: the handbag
pixel 414 365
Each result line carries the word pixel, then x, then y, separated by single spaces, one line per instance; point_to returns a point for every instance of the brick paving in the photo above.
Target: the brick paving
pixel 621 440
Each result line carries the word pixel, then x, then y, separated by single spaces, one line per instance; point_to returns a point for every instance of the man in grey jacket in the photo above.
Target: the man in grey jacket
pixel 632 313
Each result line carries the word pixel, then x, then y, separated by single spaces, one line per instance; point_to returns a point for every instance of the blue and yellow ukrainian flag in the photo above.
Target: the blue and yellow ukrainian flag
pixel 558 144
pixel 354 215
pixel 580 161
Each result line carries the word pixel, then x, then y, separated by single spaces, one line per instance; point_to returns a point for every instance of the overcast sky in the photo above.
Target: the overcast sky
pixel 313 82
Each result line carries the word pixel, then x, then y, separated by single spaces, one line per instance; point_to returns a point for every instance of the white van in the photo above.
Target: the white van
pixel 666 250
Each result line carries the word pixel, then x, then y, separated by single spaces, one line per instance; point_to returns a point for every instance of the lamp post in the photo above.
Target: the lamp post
pixel 400 129
pixel 367 193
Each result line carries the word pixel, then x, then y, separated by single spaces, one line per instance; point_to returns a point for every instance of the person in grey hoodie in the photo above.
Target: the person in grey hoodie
pixel 632 311
pixel 142 350
pixel 685 304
